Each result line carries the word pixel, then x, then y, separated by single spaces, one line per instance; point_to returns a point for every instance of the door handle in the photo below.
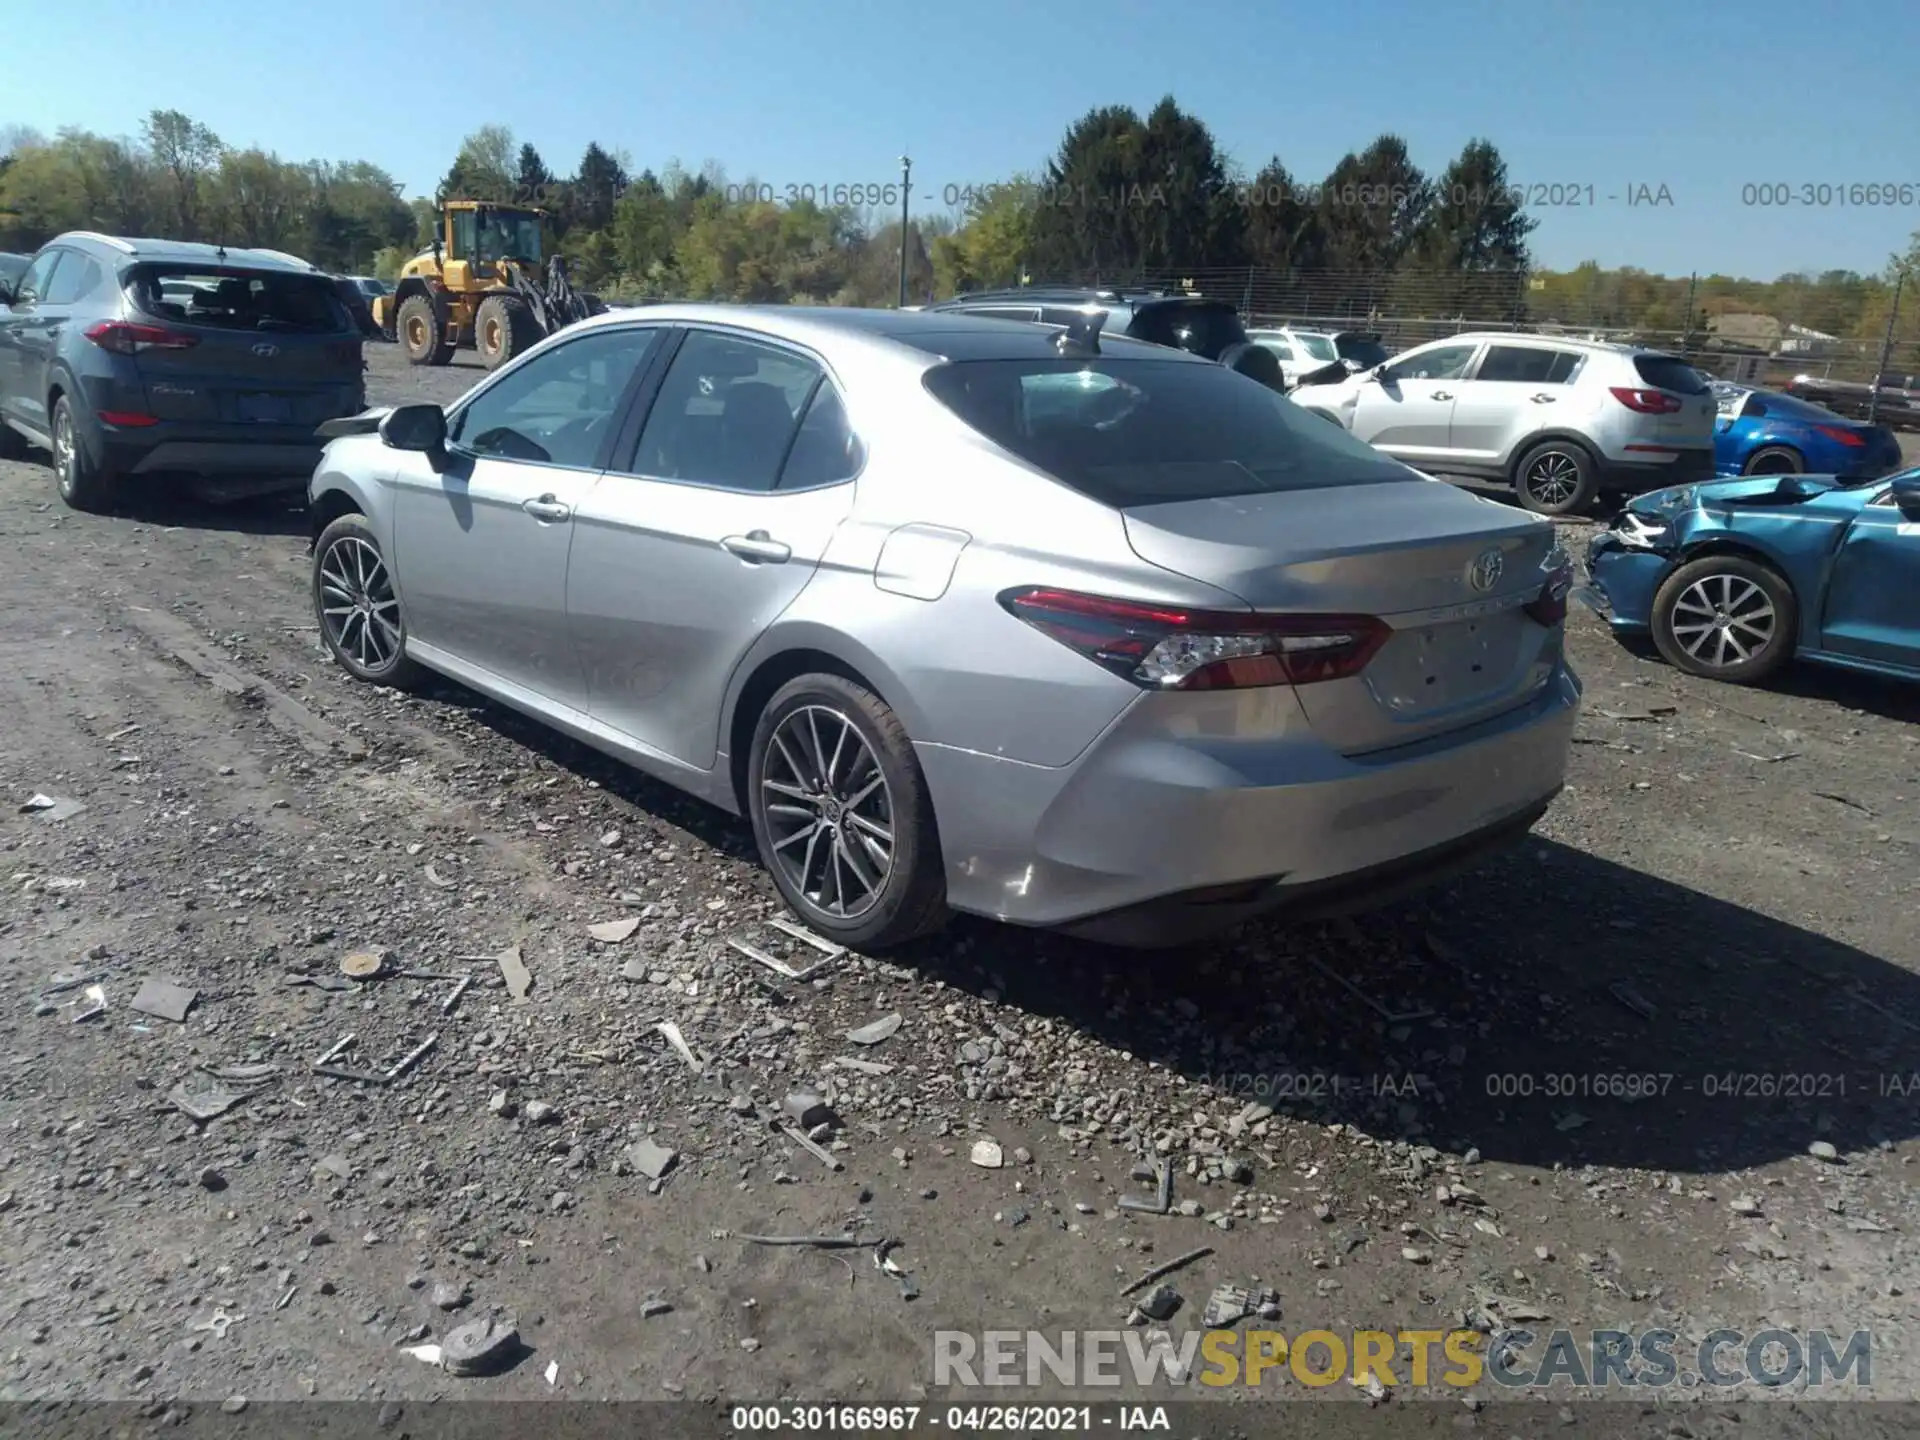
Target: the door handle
pixel 758 548
pixel 547 509
pixel 1543 398
pixel 1443 394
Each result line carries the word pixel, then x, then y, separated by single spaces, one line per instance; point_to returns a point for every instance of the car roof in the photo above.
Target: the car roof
pixel 189 252
pixel 928 335
pixel 1557 342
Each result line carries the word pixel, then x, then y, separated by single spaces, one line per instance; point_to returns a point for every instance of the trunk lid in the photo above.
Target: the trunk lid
pixel 1417 554
pixel 1691 426
pixel 266 347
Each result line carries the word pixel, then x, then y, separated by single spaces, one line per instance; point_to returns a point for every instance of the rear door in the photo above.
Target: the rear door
pixel 692 545
pixel 1515 391
pixel 1410 414
pixel 257 350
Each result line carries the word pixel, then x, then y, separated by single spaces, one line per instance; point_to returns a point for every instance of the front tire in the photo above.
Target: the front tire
pixel 84 484
pixel 358 610
pixel 1556 478
pixel 421 332
pixel 842 817
pixel 503 327
pixel 1726 617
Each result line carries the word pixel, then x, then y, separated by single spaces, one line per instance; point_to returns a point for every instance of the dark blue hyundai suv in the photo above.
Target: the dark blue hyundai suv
pixel 132 359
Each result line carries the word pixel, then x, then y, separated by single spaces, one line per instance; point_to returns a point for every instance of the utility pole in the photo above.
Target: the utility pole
pixel 1886 348
pixel 906 198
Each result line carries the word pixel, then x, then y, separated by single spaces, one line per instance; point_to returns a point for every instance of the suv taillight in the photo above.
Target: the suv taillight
pixel 1166 648
pixel 1646 402
pixel 125 339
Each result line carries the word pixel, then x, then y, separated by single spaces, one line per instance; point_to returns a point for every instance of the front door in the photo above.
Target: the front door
pixel 684 555
pixel 1410 414
pixel 1873 598
pixel 482 543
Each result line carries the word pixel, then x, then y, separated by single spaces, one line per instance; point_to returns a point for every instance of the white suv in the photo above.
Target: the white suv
pixel 1562 421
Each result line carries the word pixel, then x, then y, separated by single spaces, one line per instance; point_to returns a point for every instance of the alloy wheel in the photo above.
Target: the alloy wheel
pixel 1723 620
pixel 357 604
pixel 1553 478
pixel 64 455
pixel 828 811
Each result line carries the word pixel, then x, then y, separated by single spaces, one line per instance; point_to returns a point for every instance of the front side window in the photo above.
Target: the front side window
pixel 1442 362
pixel 558 408
pixel 727 413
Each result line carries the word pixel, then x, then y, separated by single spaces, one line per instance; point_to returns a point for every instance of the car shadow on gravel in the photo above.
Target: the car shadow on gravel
pixel 267 515
pixel 1581 1013
pixel 1875 695
pixel 1550 1008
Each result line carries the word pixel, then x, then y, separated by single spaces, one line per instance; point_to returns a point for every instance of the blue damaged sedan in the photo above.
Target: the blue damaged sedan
pixel 1734 578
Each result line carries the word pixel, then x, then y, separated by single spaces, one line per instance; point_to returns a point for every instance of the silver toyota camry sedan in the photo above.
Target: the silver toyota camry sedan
pixel 968 614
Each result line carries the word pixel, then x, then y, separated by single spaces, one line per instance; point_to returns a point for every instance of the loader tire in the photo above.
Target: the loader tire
pixel 503 327
pixel 422 332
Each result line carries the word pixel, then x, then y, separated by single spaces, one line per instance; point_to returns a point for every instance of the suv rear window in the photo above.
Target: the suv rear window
pixel 1206 329
pixel 1665 372
pixel 1153 432
pixel 232 299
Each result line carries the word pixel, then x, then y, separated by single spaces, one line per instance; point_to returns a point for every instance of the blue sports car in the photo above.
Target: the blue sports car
pixel 1761 432
pixel 1733 578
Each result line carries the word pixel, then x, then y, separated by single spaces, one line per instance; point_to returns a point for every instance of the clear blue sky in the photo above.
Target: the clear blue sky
pixel 1703 98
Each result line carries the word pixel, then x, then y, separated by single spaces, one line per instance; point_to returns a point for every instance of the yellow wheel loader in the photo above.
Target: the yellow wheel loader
pixel 475 288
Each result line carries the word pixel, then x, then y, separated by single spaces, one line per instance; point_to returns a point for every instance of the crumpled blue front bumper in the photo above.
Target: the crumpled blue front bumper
pixel 1621 581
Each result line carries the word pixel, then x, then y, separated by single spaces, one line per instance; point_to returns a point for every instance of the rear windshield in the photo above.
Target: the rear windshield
pixel 1362 350
pixel 1151 432
pixel 254 300
pixel 1317 347
pixel 1664 372
pixel 1208 330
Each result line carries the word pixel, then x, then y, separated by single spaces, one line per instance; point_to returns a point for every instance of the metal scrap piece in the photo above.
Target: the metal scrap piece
pixel 203 1098
pixel 447 1005
pixel 798 1137
pixel 407 1061
pixel 514 971
pixel 1162 1202
pixel 679 1043
pixel 1160 1272
pixel 164 1000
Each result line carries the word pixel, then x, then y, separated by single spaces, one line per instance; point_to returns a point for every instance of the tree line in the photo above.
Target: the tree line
pixel 1125 195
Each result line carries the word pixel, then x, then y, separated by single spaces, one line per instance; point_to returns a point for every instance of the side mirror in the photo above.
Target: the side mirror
pixel 1906 495
pixel 421 428
pixel 1383 375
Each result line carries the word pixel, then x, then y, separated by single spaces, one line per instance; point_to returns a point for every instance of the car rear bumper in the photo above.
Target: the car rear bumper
pixel 1185 819
pixel 130 452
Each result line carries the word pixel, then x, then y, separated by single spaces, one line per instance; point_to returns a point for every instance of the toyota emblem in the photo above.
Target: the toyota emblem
pixel 265 350
pixel 1484 573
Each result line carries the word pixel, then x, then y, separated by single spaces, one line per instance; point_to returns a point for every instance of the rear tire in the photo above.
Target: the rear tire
pixel 1774 460
pixel 358 609
pixel 842 817
pixel 1710 610
pixel 84 484
pixel 422 333
pixel 503 327
pixel 1556 478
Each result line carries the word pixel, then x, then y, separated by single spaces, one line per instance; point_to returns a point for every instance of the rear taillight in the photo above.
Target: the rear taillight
pixel 124 339
pixel 1842 436
pixel 1168 648
pixel 1646 402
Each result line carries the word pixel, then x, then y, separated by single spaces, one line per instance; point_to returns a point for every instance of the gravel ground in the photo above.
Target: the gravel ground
pixel 1722 901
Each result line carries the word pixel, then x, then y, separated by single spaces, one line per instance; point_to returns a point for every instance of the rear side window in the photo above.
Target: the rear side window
pixel 1529 365
pixel 1153 432
pixel 230 299
pixel 76 279
pixel 1205 330
pixel 1665 372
